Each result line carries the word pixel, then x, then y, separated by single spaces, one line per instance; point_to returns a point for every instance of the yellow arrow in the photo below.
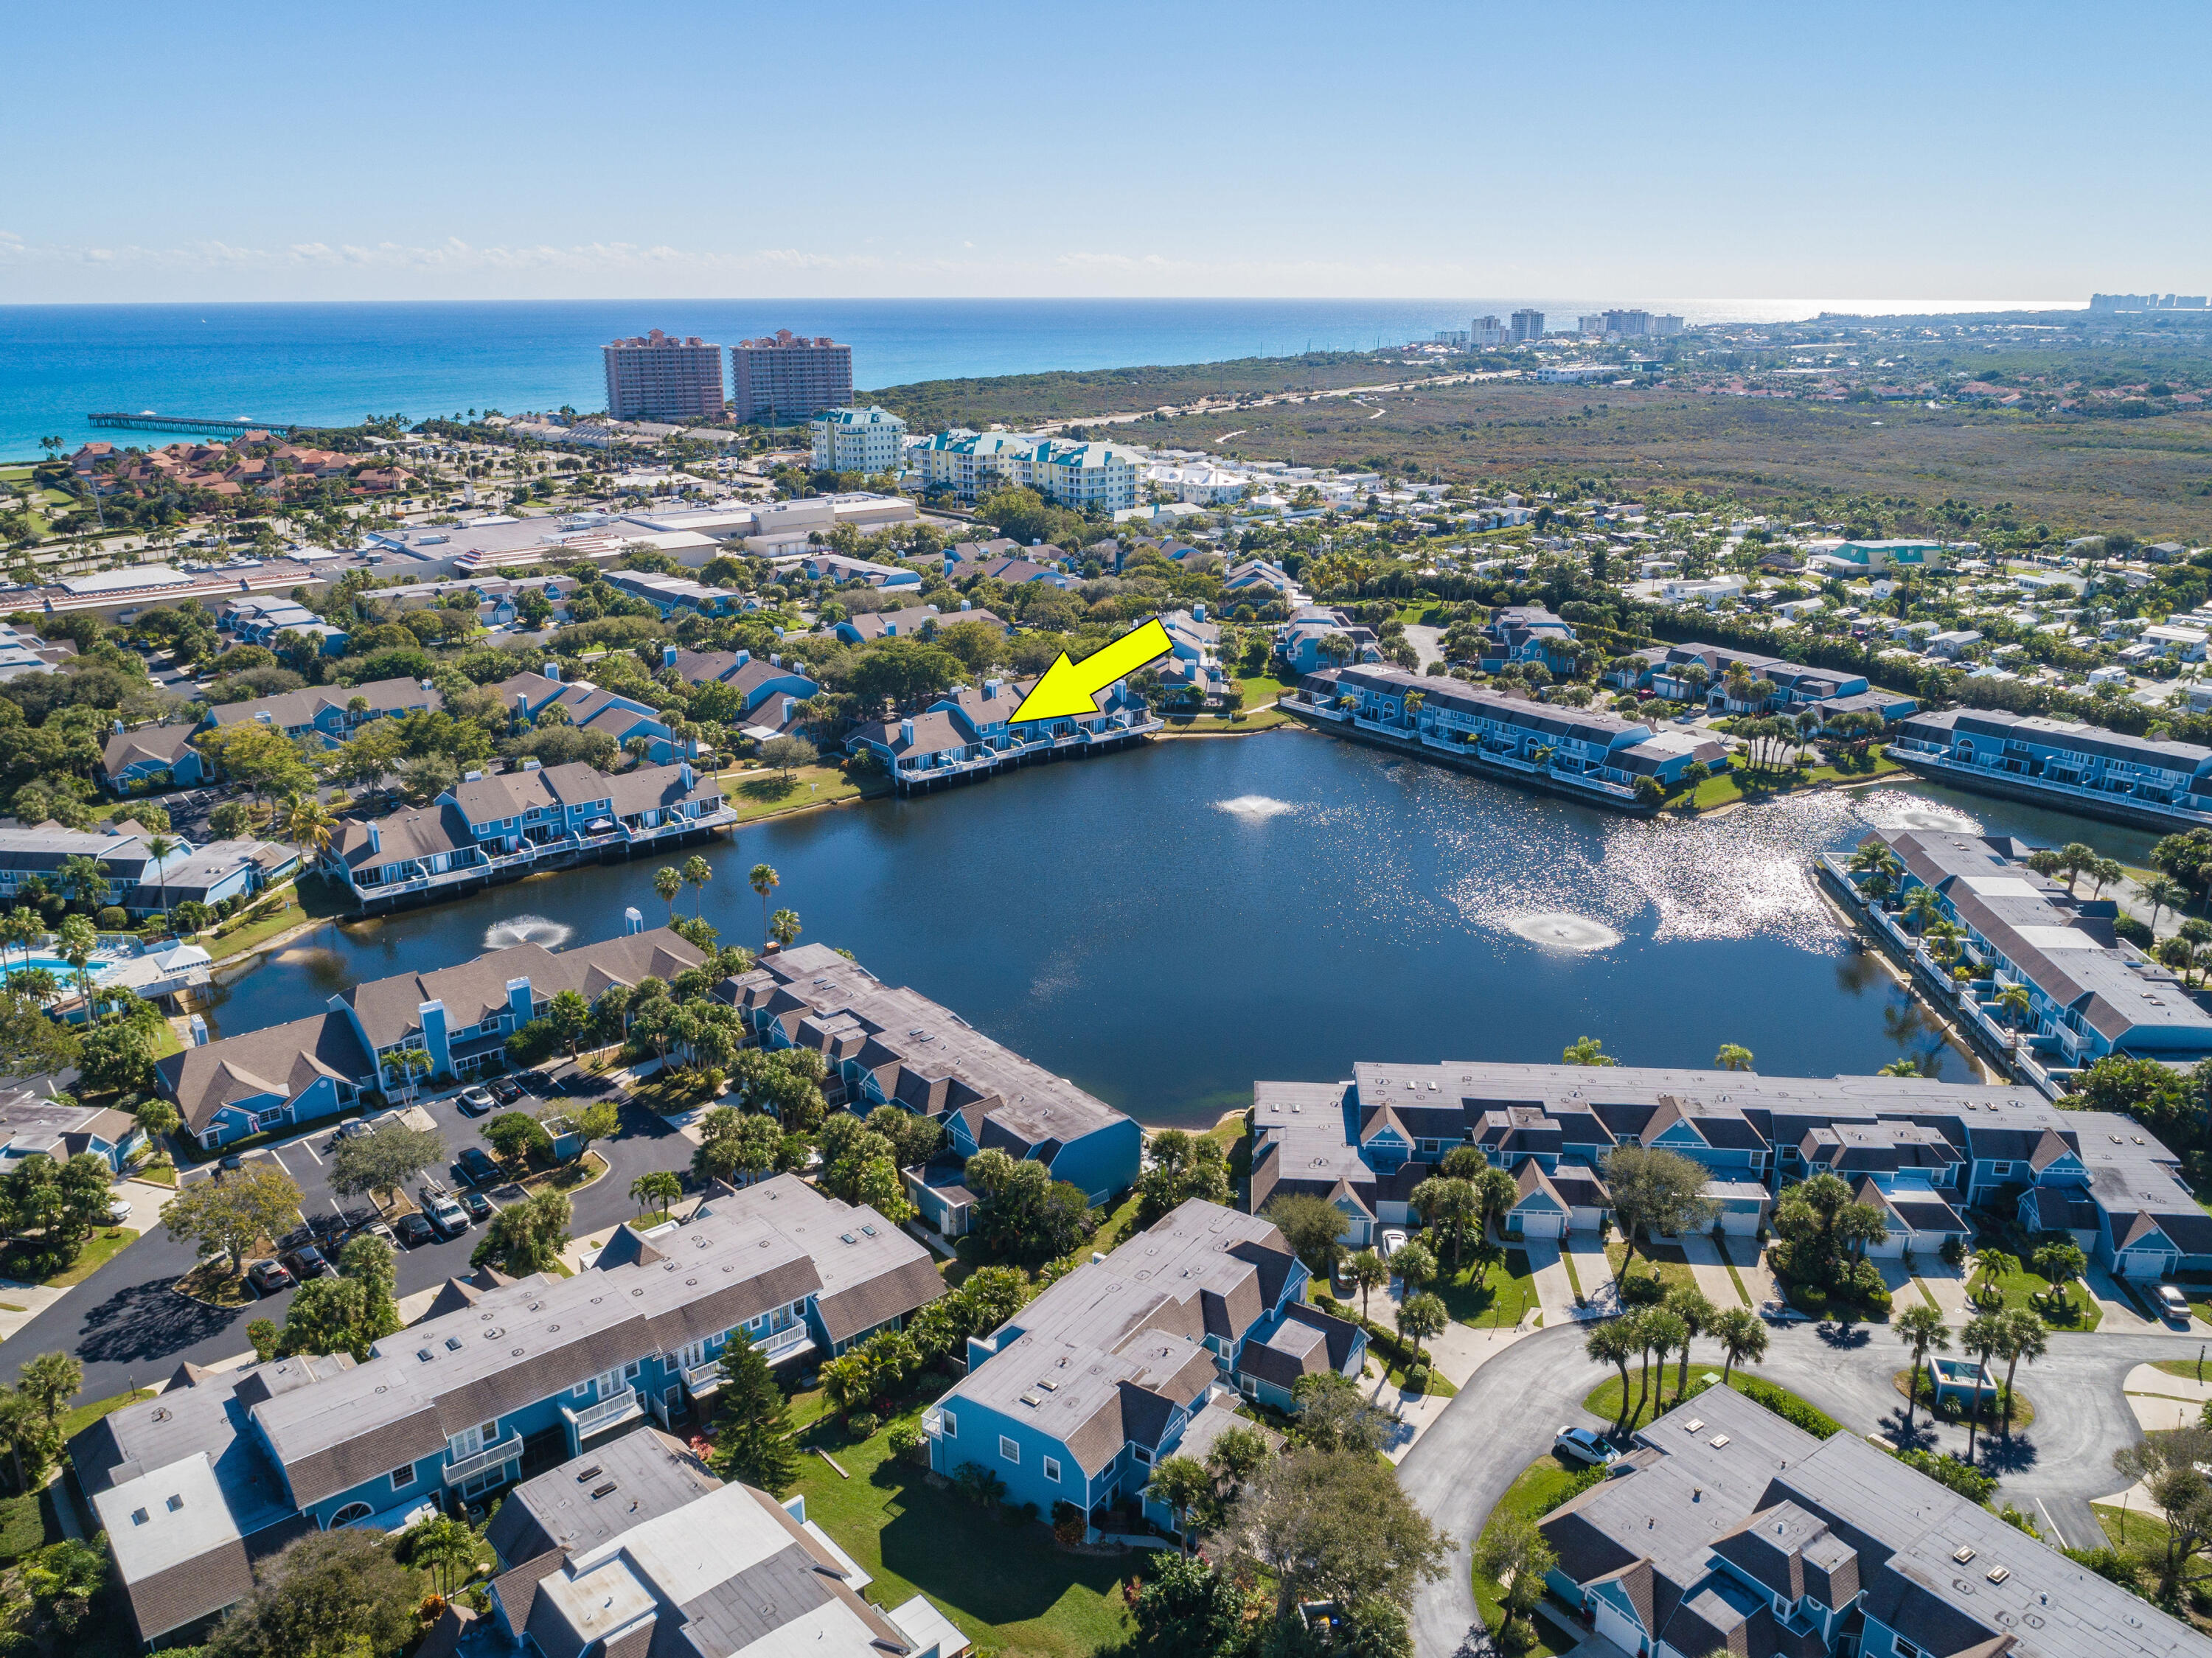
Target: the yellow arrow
pixel 1068 687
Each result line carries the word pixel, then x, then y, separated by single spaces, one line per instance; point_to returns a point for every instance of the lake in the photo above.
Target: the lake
pixel 1164 925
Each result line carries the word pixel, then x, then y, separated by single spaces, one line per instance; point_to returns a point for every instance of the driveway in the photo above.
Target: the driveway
pixel 1750 1259
pixel 1553 1293
pixel 1946 1286
pixel 1708 1269
pixel 1427 643
pixel 1594 1272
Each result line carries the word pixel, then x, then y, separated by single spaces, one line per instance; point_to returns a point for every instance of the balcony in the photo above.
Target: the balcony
pixel 614 1407
pixel 508 1449
pixel 701 1380
pixel 779 1345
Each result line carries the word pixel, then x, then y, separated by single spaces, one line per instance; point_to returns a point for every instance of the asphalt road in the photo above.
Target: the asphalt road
pixel 129 1326
pixel 1507 1415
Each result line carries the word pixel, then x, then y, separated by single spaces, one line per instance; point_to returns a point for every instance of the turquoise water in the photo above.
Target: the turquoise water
pixel 338 362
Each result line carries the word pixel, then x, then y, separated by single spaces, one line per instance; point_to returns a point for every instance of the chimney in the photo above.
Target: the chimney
pixel 991 689
pixel 533 764
pixel 522 703
pixel 744 656
pixel 199 1030
pixel 375 837
pixel 518 1001
pixel 789 703
pixel 632 920
pixel 553 672
pixel 119 728
pixel 906 732
pixel 668 656
pixel 966 604
pixel 691 778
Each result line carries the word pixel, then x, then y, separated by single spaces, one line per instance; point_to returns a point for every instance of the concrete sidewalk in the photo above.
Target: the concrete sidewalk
pixel 1709 1270
pixel 2120 1316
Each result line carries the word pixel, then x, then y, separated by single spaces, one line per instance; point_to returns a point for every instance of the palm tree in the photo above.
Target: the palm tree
pixel 307 824
pixel 667 883
pixel 1698 1316
pixel 1742 1339
pixel 1996 1267
pixel 1900 1067
pixel 84 879
pixel 79 943
pixel 764 880
pixel 2022 1335
pixel 1733 1056
pixel 158 847
pixel 1614 1343
pixel 2075 857
pixel 20 926
pixel 1656 1331
pixel 783 927
pixel 1921 907
pixel 2163 891
pixel 1877 857
pixel 1983 1336
pixel 1367 1271
pixel 697 871
pixel 2106 870
pixel 1922 1328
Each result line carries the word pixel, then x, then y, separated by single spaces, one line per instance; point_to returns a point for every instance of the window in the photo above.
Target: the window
pixel 402 1477
pixel 1905 1647
pixel 630 1370
pixel 951 1425
pixel 1141 1454
pixel 1250 1387
pixel 1008 1450
pixel 1052 1469
pixel 2000 1170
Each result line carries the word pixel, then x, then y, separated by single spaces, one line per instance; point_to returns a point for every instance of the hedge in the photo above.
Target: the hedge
pixel 1787 1405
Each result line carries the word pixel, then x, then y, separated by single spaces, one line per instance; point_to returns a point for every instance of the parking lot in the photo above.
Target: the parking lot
pixel 646 1142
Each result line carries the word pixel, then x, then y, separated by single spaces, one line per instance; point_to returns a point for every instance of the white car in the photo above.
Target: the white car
pixel 1584 1446
pixel 2172 1302
pixel 118 1212
pixel 1393 1240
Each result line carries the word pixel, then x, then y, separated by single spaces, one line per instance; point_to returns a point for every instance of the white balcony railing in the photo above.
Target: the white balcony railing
pixel 614 1407
pixel 468 1468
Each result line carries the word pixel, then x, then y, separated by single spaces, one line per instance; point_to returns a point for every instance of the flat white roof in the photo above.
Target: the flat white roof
pixel 137 575
pixel 165 1518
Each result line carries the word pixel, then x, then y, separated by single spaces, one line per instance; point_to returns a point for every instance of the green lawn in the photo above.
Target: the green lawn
pixel 1491 1295
pixel 1541 1487
pixel 102 1246
pixel 1666 1259
pixel 2186 1367
pixel 2021 1287
pixel 1006 1584
pixel 763 792
pixel 311 898
pixel 1730 786
pixel 2140 1536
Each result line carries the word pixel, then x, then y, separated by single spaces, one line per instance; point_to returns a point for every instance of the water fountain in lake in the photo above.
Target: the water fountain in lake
pixel 1561 930
pixel 1255 808
pixel 526 930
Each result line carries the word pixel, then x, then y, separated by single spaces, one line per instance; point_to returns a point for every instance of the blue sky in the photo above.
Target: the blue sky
pixel 487 150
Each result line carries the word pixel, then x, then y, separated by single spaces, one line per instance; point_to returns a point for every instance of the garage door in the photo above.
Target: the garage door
pixel 1541 1225
pixel 2137 1265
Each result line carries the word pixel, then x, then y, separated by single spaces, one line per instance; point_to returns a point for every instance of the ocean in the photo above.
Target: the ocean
pixel 339 362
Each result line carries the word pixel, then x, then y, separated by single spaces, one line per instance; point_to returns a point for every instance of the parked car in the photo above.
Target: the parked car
pixel 414 1231
pixel 476 1101
pixel 268 1276
pixel 1584 1446
pixel 477 1205
pixel 1781 1312
pixel 118 1212
pixel 447 1216
pixel 477 1166
pixel 1394 1240
pixel 233 1164
pixel 377 1229
pixel 306 1262
pixel 504 1089
pixel 2172 1302
pixel 353 1128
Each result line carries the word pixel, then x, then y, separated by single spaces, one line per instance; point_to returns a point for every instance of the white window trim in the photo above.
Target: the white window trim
pixel 1009 1451
pixel 402 1477
pixel 951 1425
pixel 1052 1469
pixel 1141 1454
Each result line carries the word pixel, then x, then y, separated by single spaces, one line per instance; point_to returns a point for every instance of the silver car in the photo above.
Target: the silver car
pixel 1584 1446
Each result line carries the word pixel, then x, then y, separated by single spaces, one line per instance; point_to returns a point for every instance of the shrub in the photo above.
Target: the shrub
pixel 864 1425
pixel 1417 1379
pixel 1638 1290
pixel 1810 1299
pixel 979 1484
pixel 1955 1251
pixel 1969 1481
pixel 1790 1408
pixel 112 919
pixel 905 1439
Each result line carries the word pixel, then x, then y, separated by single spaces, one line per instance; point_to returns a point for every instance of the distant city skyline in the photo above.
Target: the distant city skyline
pixel 1903 155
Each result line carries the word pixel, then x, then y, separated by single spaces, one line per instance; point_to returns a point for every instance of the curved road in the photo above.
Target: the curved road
pixel 1505 1417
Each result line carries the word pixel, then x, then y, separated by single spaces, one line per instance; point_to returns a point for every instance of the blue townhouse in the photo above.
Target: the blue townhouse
pixel 255 620
pixel 1777 1542
pixel 764 694
pixel 590 707
pixel 1924 1152
pixel 971 733
pixel 890 1046
pixel 1077 1397
pixel 674 595
pixel 501 825
pixel 329 714
pixel 32 1128
pixel 1299 642
pixel 1582 750
pixel 458 1020
pixel 505 1381
pixel 2157 784
pixel 1521 633
pixel 140 759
